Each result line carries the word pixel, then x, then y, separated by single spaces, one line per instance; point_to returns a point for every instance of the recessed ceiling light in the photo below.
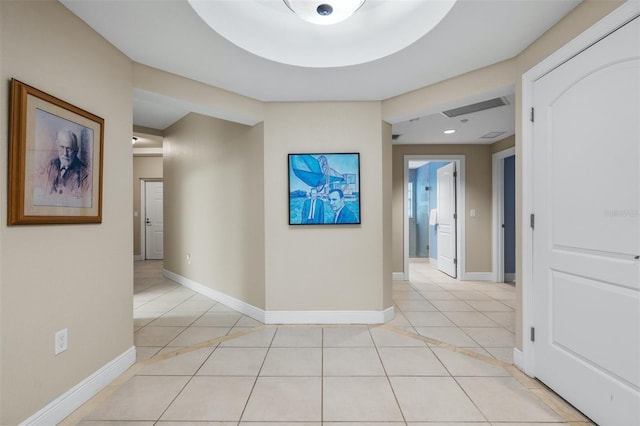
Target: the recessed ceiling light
pixel 448 132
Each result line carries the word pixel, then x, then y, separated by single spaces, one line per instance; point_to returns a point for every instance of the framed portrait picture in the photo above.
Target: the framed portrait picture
pixel 324 189
pixel 55 160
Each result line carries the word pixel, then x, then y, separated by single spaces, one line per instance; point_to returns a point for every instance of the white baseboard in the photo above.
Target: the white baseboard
pixel 398 276
pixel 137 257
pixel 478 276
pixel 329 317
pixel 285 317
pixel 518 358
pixel 235 304
pixel 508 277
pixel 433 261
pixel 61 407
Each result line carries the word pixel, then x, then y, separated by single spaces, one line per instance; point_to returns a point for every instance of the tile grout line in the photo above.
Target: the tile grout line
pixel 393 391
pixel 81 412
pixel 551 400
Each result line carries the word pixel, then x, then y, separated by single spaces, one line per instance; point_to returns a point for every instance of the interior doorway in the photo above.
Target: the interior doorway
pixel 504 216
pixel 420 211
pixel 152 238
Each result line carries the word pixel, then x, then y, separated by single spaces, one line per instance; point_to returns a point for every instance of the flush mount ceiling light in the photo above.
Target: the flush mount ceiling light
pixel 268 29
pixel 449 132
pixel 324 12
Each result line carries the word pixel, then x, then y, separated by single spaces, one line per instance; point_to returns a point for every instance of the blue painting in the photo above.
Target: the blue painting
pixel 324 189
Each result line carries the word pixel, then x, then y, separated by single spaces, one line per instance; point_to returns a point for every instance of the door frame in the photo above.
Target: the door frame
pixel 460 209
pixel 525 359
pixel 498 212
pixel 143 211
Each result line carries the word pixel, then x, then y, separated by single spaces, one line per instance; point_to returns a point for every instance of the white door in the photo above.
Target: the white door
pixel 154 248
pixel 586 237
pixel 446 231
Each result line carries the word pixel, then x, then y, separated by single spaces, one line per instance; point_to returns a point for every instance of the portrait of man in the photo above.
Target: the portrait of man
pixel 343 213
pixel 67 174
pixel 62 177
pixel 313 208
pixel 324 189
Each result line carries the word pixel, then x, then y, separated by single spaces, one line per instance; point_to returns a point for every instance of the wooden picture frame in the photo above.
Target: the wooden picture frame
pixel 324 189
pixel 55 160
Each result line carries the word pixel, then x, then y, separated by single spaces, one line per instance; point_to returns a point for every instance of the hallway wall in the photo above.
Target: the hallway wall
pixel 328 268
pixel 87 283
pixel 214 205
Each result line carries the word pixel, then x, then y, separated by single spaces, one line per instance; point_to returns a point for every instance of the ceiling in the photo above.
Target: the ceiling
pixel 170 35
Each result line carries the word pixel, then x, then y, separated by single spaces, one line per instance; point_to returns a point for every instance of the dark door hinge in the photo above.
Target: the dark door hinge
pixel 532 116
pixel 532 220
pixel 533 334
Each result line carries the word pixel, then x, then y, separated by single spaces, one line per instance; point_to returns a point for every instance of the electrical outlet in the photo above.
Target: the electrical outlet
pixel 189 259
pixel 61 341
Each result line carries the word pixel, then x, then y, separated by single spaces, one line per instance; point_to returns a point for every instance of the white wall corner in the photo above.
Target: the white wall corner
pixel 398 276
pixel 61 407
pixel 518 358
pixel 235 304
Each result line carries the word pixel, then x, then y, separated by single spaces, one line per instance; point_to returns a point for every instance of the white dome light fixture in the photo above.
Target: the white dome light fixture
pixel 324 12
pixel 269 29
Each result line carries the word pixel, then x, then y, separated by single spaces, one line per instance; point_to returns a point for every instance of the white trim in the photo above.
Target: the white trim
pixel 459 160
pixel 398 276
pixel 477 276
pixel 61 407
pixel 498 213
pixel 606 25
pixel 329 317
pixel 137 258
pixel 285 317
pixel 230 301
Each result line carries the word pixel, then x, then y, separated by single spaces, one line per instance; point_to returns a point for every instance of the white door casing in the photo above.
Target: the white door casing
pixel 154 227
pixel 446 231
pixel 585 276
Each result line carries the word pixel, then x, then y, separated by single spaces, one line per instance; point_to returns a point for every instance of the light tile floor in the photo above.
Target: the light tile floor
pixel 444 360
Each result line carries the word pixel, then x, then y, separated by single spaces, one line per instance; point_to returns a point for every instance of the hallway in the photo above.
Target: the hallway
pixel 444 360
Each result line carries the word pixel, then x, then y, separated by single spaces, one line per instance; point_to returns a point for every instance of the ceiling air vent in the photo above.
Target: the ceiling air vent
pixel 480 106
pixel 492 135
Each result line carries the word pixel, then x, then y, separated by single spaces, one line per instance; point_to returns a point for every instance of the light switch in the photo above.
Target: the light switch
pixel 472 212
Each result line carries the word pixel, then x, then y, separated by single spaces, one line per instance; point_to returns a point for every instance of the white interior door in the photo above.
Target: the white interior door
pixel 446 231
pixel 154 234
pixel 586 237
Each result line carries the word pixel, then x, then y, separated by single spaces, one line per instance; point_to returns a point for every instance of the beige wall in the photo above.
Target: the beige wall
pixel 214 205
pixel 327 267
pixel 503 144
pixel 148 168
pixel 85 286
pixel 477 196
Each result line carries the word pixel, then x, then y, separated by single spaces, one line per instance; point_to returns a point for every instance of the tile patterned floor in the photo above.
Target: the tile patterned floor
pixel 444 360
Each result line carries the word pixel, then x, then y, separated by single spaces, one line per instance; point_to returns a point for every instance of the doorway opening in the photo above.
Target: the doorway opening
pixel 152 220
pixel 421 222
pixel 504 216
